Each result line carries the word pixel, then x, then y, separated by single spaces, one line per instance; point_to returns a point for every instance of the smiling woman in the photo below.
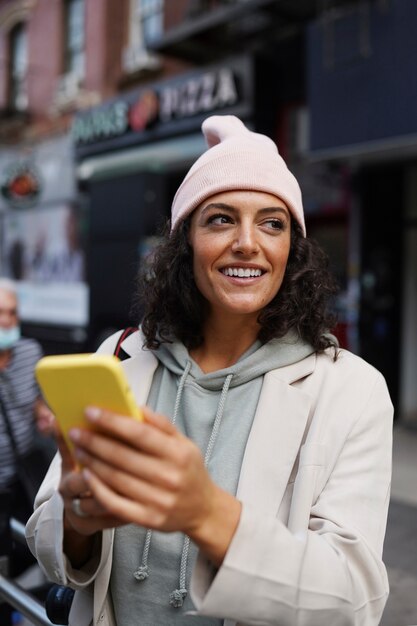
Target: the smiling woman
pixel 259 479
pixel 297 303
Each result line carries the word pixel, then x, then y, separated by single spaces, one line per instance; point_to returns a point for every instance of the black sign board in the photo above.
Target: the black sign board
pixel 166 108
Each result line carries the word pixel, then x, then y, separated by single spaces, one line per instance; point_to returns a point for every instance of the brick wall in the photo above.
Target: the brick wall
pixel 106 24
pixel 4 75
pixel 45 34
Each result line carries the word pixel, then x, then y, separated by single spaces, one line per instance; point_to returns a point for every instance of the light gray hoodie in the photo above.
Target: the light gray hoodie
pixel 151 571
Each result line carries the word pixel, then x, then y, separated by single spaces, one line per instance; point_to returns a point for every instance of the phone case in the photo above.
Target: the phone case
pixel 71 382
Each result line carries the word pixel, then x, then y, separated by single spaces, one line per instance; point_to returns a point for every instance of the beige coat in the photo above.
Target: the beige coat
pixel 314 483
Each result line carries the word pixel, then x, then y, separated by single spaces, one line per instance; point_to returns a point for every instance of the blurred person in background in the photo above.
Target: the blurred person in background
pixel 260 476
pixel 23 414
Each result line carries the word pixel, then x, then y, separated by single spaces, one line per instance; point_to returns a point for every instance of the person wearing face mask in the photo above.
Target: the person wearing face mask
pixel 20 397
pixel 22 415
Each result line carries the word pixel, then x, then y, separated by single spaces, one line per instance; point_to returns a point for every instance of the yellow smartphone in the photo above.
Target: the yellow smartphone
pixel 71 382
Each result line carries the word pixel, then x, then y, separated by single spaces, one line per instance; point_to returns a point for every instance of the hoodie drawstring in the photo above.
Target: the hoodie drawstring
pixel 143 570
pixel 177 597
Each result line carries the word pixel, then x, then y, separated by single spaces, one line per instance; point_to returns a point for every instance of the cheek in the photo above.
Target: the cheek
pixel 281 260
pixel 201 263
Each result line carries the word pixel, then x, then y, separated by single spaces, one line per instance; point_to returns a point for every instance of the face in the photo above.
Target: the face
pixel 241 243
pixel 8 310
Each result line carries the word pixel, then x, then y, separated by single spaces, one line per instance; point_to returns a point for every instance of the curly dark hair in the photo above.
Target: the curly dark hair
pixel 173 307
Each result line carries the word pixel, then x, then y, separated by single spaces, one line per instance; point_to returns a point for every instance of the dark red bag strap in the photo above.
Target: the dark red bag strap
pixel 118 351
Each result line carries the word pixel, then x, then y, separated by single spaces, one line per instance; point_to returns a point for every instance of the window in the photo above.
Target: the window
pixel 18 68
pixel 74 37
pixel 145 25
pixel 150 13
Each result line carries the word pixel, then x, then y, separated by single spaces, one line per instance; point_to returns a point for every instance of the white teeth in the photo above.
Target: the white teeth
pixel 242 272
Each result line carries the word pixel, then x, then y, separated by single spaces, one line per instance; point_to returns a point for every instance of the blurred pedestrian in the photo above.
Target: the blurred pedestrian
pixel 23 414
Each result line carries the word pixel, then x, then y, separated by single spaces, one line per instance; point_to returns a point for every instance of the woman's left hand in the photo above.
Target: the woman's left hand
pixel 150 474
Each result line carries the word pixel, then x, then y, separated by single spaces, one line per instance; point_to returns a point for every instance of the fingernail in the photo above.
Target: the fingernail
pixel 81 456
pixel 86 473
pixel 92 413
pixel 74 434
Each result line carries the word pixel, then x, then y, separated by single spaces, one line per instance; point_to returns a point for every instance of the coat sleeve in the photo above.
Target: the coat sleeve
pixel 332 573
pixel 44 535
pixel 44 529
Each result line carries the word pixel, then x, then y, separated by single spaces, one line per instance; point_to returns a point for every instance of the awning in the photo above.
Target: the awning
pixel 161 156
pixel 389 149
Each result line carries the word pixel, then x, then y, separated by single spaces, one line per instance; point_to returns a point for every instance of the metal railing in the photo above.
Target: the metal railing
pixel 12 593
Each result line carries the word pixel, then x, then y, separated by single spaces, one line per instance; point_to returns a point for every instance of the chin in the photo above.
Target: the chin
pixel 244 308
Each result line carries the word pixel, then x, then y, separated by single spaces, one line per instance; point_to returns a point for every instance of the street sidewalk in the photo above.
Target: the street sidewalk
pixel 400 551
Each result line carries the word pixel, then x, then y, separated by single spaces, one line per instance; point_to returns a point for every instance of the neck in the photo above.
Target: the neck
pixel 224 343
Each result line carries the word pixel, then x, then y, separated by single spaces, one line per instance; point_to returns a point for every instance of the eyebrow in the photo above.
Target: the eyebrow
pixel 233 209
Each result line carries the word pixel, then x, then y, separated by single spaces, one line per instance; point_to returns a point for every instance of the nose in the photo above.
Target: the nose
pixel 5 321
pixel 246 240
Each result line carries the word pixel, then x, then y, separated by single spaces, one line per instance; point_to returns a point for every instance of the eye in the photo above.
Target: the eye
pixel 219 218
pixel 274 224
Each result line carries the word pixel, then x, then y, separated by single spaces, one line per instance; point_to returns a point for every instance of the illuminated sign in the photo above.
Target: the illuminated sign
pixel 100 124
pixel 208 91
pixel 21 184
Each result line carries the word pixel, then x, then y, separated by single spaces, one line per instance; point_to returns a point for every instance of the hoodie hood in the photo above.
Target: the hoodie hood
pixel 256 361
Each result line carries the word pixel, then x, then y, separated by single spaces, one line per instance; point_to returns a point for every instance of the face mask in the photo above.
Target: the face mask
pixel 9 337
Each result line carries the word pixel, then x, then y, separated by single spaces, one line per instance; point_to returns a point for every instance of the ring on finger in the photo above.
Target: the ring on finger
pixel 76 508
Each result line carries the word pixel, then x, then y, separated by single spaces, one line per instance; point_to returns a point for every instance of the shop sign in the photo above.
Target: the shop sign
pixel 207 92
pixel 21 184
pixel 101 124
pixel 211 90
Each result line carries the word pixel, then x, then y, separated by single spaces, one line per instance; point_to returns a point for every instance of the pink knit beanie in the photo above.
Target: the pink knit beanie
pixel 237 159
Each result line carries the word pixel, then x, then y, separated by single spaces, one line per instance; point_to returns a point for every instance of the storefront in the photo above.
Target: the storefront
pixel 362 98
pixel 43 238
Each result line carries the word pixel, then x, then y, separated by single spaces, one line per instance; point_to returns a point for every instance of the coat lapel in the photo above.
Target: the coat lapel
pixel 276 437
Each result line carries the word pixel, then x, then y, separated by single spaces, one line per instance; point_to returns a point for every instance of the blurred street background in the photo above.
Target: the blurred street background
pixel 101 104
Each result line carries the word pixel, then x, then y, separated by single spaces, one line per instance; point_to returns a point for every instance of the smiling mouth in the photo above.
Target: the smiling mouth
pixel 242 272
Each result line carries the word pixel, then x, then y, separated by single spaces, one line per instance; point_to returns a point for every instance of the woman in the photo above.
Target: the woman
pixel 261 472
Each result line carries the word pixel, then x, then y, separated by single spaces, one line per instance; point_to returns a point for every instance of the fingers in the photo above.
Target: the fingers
pixel 118 457
pixel 132 486
pixel 91 516
pixel 140 472
pixel 91 523
pixel 120 507
pixel 73 484
pixel 155 436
